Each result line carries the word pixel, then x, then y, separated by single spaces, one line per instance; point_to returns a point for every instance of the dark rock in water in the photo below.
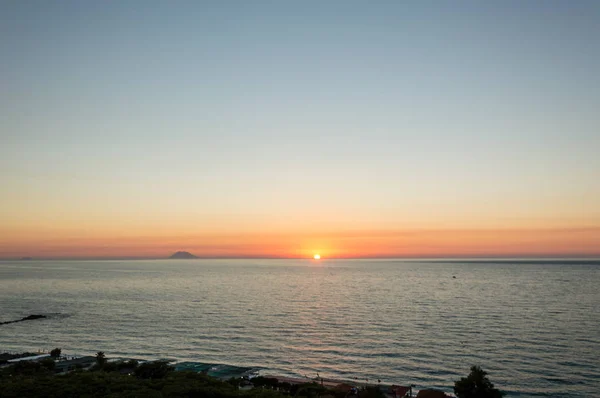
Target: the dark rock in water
pixel 31 317
pixel 27 318
pixel 182 255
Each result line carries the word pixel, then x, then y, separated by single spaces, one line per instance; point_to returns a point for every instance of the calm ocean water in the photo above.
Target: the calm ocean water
pixel 535 327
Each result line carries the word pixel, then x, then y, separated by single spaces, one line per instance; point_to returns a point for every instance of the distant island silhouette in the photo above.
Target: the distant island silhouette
pixel 182 256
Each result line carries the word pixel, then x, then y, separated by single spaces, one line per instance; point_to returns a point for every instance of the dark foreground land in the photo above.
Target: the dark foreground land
pixel 53 376
pixel 114 384
pixel 149 380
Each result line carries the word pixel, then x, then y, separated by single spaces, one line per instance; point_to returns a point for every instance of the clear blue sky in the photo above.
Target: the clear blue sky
pixel 259 113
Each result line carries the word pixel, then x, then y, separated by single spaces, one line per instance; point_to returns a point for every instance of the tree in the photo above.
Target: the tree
pixel 262 381
pixel 55 353
pixel 153 370
pixel 476 385
pixel 100 358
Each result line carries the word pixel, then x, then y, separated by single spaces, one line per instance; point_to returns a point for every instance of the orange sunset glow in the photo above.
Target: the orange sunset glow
pixel 346 141
pixel 95 219
pixel 505 242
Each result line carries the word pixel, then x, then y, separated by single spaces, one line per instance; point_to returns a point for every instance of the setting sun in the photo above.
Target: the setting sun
pixel 317 256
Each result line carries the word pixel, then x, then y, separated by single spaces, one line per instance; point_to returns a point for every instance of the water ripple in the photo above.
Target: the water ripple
pixel 533 326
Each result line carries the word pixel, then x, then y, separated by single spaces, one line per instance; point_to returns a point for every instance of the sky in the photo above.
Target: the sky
pixel 284 129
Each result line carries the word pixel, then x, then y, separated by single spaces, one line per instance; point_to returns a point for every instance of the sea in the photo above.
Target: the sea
pixel 534 326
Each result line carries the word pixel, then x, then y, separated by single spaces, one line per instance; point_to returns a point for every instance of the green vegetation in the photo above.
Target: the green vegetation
pixel 128 379
pixel 149 380
pixel 476 385
pixel 127 367
pixel 28 368
pixel 153 370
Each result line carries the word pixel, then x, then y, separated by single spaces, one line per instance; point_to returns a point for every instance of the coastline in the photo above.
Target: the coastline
pixel 223 372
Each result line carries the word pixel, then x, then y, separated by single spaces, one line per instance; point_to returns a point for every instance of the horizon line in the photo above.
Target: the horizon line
pixel 594 257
